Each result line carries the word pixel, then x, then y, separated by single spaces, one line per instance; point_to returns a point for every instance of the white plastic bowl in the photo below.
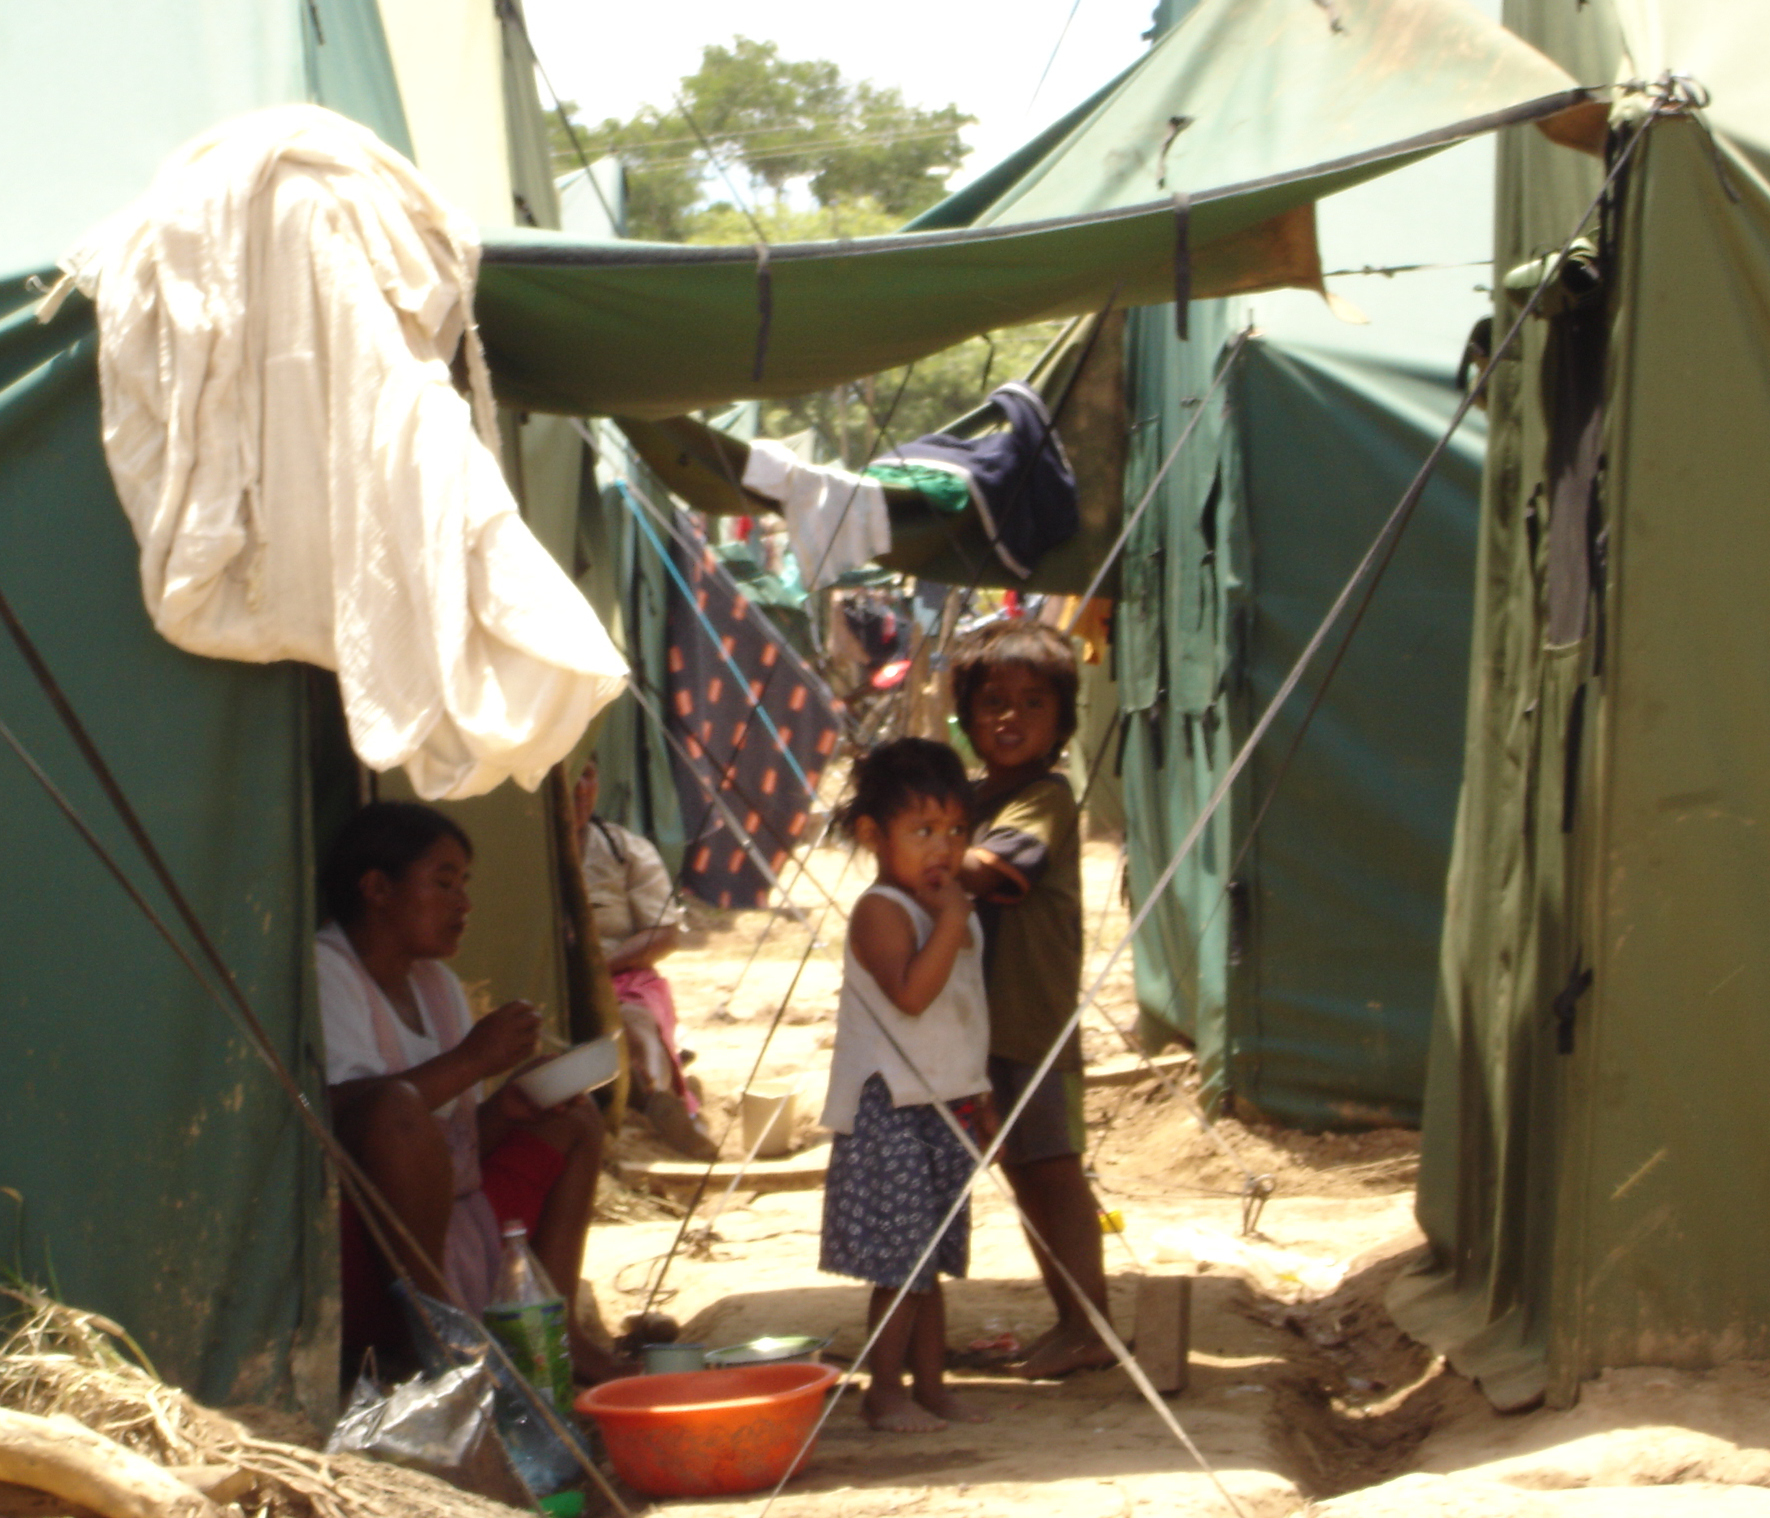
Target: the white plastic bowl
pixel 578 1070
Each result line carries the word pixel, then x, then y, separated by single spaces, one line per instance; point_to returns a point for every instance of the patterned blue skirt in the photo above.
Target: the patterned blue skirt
pixel 890 1183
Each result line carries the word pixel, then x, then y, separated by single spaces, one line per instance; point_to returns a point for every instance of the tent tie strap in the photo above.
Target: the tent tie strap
pixel 1256 1191
pixel 764 309
pixel 1679 91
pixel 1182 228
pixel 1565 1007
pixel 1182 261
pixel 1176 125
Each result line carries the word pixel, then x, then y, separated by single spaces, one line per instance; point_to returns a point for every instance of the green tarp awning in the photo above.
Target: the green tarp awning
pixel 1285 101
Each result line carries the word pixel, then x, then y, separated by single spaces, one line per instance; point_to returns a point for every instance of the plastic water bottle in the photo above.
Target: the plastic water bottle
pixel 527 1316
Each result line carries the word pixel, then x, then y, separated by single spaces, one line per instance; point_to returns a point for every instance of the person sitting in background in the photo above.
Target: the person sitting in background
pixel 405 1060
pixel 639 921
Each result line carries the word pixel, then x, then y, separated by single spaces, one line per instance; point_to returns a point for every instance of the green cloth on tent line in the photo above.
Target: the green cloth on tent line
pixel 941 489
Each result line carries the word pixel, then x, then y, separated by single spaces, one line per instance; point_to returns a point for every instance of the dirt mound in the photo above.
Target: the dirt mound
pixel 1361 1397
pixel 1143 1139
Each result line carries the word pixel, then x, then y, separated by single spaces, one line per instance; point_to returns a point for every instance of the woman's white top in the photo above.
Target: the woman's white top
pixel 939 1056
pixel 356 1037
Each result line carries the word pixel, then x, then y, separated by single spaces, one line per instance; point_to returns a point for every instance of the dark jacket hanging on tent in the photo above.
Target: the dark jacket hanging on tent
pixel 759 728
pixel 1020 480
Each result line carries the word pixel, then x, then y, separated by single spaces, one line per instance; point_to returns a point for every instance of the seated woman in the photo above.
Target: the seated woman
pixel 404 1063
pixel 639 921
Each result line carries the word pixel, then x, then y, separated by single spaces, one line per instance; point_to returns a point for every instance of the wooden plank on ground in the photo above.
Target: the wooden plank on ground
pixel 803 1171
pixel 1164 1327
pixel 1128 1069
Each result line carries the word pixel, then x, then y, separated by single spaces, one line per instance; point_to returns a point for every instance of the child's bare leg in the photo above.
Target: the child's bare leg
pixel 1058 1201
pixel 1032 1205
pixel 886 1404
pixel 927 1355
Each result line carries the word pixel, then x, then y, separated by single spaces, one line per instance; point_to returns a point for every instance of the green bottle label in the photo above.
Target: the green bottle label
pixel 534 1338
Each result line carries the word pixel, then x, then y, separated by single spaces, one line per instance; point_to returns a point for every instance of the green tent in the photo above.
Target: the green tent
pixel 1593 1155
pixel 1287 102
pixel 212 1240
pixel 1299 956
pixel 164 1179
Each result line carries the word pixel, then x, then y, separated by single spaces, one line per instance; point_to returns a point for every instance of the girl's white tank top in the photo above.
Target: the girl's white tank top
pixel 941 1055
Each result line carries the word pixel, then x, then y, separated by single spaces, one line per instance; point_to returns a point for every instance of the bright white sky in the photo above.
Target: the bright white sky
pixel 985 56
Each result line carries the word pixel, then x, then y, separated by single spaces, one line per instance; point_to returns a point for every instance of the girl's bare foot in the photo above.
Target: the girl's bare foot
pixel 943 1404
pixel 893 1411
pixel 1076 1349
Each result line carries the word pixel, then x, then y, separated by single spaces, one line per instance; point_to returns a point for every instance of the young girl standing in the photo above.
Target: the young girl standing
pixel 912 1033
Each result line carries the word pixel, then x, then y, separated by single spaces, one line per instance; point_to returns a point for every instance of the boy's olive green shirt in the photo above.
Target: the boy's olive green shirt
pixel 1033 924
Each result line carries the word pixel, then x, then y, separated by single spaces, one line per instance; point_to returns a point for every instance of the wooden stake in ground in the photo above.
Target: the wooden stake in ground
pixel 65 1458
pixel 1164 1328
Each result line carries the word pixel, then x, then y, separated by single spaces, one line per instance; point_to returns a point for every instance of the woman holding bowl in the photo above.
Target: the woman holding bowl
pixel 405 1061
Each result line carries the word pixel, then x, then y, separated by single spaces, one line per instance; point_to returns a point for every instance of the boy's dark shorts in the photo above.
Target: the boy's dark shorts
pixel 1052 1126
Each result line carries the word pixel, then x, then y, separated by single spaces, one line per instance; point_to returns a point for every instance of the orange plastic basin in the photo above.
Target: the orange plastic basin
pixel 706 1433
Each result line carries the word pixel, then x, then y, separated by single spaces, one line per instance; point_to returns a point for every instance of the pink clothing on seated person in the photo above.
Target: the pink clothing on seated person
pixel 631 892
pixel 643 988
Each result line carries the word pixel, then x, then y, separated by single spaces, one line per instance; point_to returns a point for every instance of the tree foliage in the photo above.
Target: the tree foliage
pixel 856 422
pixel 749 122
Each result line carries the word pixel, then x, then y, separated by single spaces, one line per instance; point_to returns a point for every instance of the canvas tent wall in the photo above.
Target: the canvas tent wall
pixel 1303 972
pixel 1298 957
pixel 164 1180
pixel 1594 1166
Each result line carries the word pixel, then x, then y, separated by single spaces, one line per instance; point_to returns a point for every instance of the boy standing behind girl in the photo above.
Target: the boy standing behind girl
pixel 1014 688
pixel 916 1028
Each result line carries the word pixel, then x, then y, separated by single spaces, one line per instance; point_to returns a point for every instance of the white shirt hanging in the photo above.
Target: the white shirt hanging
pixel 277 316
pixel 836 520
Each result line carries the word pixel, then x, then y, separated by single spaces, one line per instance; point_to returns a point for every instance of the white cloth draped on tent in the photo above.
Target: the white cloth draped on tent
pixel 836 520
pixel 277 318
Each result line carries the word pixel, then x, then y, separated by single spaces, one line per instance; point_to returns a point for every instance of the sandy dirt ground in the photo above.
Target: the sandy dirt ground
pixel 1304 1397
